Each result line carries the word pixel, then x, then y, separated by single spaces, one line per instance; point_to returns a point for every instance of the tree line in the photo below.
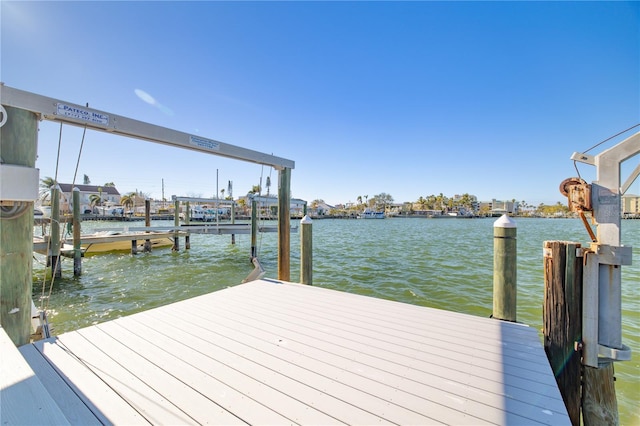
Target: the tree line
pixel 440 202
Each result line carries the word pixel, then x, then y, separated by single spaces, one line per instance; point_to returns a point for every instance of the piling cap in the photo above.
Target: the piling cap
pixel 504 222
pixel 306 219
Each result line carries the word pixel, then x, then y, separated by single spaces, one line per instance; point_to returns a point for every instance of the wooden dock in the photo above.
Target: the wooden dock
pixel 229 228
pixel 270 352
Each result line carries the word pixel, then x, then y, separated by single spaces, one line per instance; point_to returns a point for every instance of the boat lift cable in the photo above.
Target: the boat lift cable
pixel 575 163
pixel 45 299
pixel 44 305
pixel 84 132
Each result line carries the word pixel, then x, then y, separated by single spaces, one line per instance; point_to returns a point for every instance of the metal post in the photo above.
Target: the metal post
pixel 504 269
pixel 306 251
pixel 77 251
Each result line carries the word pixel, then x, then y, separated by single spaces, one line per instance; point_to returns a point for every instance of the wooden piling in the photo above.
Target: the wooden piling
pixel 18 144
pixel 54 253
pixel 147 223
pixel 233 220
pixel 176 223
pixel 77 250
pixel 562 320
pixel 254 229
pixel 284 224
pixel 504 269
pixel 599 403
pixel 306 251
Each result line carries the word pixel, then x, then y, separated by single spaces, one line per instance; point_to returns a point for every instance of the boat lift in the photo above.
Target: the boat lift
pixel 19 112
pixel 52 109
pixel 602 278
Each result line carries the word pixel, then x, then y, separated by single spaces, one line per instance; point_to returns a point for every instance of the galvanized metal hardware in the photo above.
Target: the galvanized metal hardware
pixel 578 193
pixel 602 279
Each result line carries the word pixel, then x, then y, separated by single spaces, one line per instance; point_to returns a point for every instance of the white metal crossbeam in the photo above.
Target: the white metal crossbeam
pixel 67 112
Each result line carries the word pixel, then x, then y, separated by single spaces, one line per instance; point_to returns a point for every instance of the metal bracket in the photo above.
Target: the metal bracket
pixel 612 354
pixel 612 255
pixel 584 158
pixel 593 352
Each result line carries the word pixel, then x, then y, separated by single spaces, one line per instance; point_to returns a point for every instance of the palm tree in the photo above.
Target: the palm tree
pixel 242 203
pixel 45 188
pixel 128 200
pixel 422 202
pixel 95 200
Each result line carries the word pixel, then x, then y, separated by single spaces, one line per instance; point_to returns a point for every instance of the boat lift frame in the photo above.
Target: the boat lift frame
pixel 602 278
pixel 66 112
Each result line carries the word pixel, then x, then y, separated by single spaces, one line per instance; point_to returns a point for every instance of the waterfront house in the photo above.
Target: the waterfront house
pixel 630 205
pixel 109 195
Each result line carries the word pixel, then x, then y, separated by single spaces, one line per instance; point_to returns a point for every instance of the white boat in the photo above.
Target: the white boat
pixel 198 214
pixel 45 211
pixel 371 214
pixel 105 241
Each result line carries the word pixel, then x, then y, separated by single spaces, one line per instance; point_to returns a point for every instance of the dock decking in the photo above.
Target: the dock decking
pixel 269 352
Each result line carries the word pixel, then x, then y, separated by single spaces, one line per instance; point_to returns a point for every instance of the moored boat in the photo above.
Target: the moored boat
pixel 371 214
pixel 103 244
pixel 107 241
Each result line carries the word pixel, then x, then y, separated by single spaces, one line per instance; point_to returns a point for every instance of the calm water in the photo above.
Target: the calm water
pixel 441 263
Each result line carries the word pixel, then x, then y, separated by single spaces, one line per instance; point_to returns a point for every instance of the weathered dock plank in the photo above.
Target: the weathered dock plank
pixel 269 352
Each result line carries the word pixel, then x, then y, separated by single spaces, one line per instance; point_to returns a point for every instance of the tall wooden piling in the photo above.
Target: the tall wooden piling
pixel 306 251
pixel 254 229
pixel 176 223
pixel 187 221
pixel 504 269
pixel 562 320
pixel 54 240
pixel 147 223
pixel 18 144
pixel 77 250
pixel 284 224
pixel 233 220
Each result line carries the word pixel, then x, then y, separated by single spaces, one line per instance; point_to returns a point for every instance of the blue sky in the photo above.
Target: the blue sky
pixel 406 98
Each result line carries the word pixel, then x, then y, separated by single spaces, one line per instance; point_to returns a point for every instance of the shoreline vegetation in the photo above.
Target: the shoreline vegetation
pixel 130 206
pixel 465 206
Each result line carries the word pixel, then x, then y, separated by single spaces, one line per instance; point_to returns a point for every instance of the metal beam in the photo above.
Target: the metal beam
pixel 202 200
pixel 274 200
pixel 74 114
